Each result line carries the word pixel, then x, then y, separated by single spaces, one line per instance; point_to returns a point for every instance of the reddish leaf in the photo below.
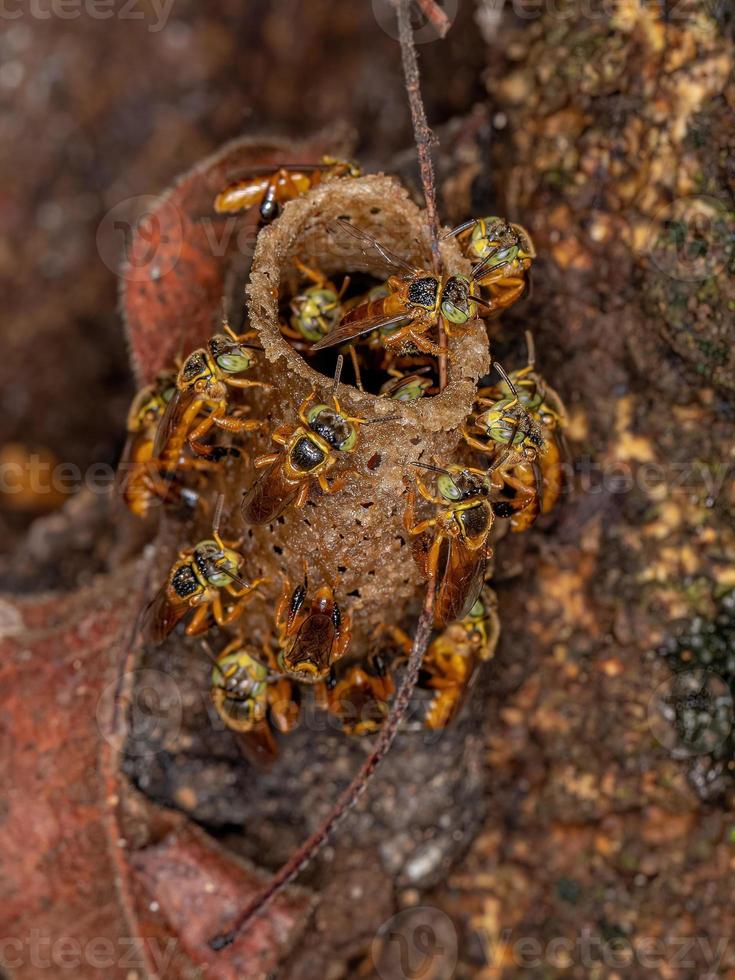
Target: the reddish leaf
pixel 200 892
pixel 66 899
pixel 174 278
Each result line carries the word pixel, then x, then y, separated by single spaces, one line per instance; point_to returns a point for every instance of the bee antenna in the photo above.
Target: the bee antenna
pixel 504 375
pixel 501 458
pixel 217 519
pixel 531 349
pixel 383 418
pixel 208 653
pixel 433 469
pixel 233 576
pixel 338 373
pixel 226 320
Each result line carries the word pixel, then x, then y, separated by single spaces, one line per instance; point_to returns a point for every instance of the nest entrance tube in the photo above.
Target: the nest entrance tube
pixel 308 232
pixel 355 538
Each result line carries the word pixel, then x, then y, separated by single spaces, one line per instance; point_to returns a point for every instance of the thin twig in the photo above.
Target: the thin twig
pixel 425 139
pixel 354 791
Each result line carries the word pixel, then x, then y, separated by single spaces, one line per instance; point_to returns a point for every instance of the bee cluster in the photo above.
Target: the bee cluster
pixel 351 497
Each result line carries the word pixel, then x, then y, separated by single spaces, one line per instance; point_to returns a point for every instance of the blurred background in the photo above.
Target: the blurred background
pixel 606 836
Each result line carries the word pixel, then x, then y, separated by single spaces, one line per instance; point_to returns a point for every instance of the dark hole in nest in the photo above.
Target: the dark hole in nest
pixel 369 357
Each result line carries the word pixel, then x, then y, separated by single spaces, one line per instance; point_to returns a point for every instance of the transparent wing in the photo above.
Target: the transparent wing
pixel 460 583
pixel 269 496
pixel 175 411
pixel 356 328
pixel 161 616
pixel 368 242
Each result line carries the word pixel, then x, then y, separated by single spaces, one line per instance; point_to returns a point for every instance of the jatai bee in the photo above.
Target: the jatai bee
pixel 269 189
pixel 309 451
pixel 453 546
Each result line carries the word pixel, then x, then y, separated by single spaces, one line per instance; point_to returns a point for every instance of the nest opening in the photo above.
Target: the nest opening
pixel 352 275
pixel 308 235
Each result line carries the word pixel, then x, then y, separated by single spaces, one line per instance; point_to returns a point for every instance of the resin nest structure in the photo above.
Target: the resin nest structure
pixel 309 504
pixel 355 538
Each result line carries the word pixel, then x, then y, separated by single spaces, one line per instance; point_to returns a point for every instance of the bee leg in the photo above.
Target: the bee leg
pixel 335 486
pixel 214 453
pixel 242 337
pixel 409 516
pixel 443 707
pixel 282 611
pixel 304 405
pixel 427 495
pixel 449 677
pixel 284 708
pixel 281 434
pixel 432 559
pixel 260 462
pixel 475 443
pixel 242 593
pixel 344 637
pixel 428 346
pixel 348 418
pixel 246 383
pixel 198 622
pixel 230 423
pixel 161 485
pixel 222 616
pixel 231 647
pixel 313 275
pixel 233 423
pixel 356 367
pixel 525 495
pixel 421 527
pixel 356 702
pixel 197 433
pixel 288 331
pixel 302 496
pixel 343 287
pixel 399 637
pixel 508 293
